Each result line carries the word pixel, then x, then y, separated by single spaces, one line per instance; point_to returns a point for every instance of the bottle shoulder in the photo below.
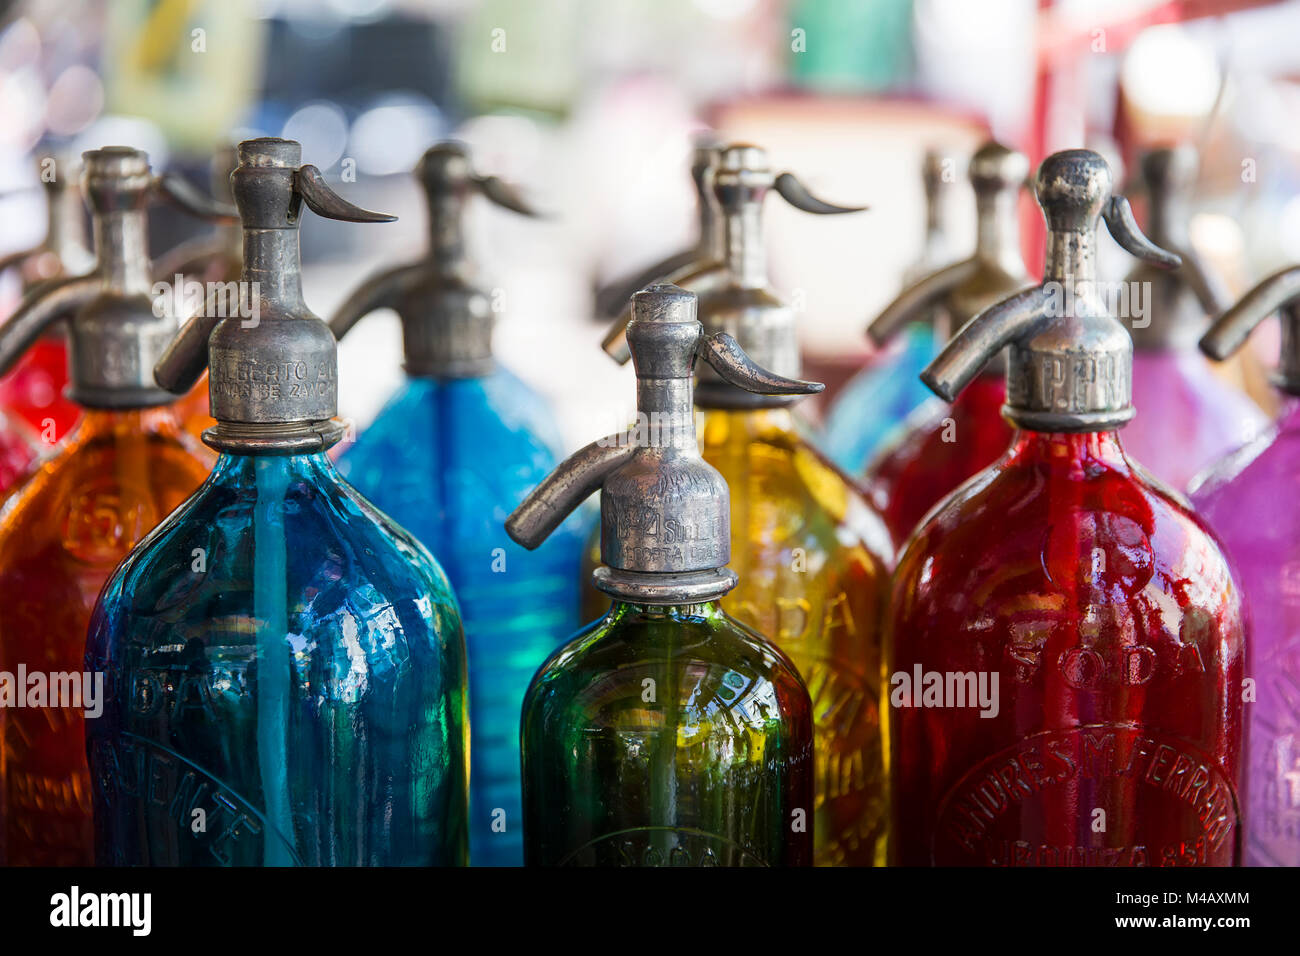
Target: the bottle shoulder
pixel 787 492
pixel 685 650
pixel 479 425
pixel 72 494
pixel 336 549
pixel 1035 527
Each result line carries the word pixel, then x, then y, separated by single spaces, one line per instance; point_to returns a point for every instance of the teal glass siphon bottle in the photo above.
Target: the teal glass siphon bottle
pixel 451 454
pixel 665 733
pixel 284 666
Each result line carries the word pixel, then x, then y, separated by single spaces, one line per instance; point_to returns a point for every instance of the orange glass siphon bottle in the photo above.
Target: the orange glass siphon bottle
pixel 114 477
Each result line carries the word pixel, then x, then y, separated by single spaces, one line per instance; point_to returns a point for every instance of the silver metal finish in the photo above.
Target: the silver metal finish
pixel 612 299
pixel 953 295
pixel 937 248
pixel 1178 302
pixel 734 295
pixel 1277 292
pixel 273 383
pixel 665 512
pixel 446 318
pixel 63 251
pixel 116 329
pixel 1071 361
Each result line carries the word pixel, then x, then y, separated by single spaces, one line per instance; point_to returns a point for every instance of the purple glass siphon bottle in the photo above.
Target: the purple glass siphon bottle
pixel 1239 497
pixel 1187 416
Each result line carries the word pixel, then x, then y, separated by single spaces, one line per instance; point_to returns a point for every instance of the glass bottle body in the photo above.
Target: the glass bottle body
pixel 285 665
pixel 812 558
pixel 61 535
pixel 449 460
pixel 1239 499
pixel 940 447
pixel 813 561
pixel 1101 631
pixel 1187 418
pixel 667 736
pixel 873 403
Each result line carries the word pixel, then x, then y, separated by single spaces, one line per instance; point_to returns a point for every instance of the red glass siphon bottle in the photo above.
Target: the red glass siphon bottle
pixel 1066 651
pixel 939 446
pixel 35 409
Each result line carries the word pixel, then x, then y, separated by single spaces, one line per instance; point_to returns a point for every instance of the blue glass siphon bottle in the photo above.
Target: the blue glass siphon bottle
pixel 451 454
pixel 284 666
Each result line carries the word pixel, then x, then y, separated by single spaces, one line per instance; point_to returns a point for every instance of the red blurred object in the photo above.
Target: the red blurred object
pixel 934 455
pixel 33 391
pixel 1106 624
pixel 17 452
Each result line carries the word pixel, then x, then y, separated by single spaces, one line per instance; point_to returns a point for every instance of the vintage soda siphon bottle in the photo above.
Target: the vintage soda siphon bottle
pixel 1187 416
pixel 873 404
pixel 113 477
pixel 666 733
pixel 940 446
pixel 282 663
pixel 1245 499
pixel 691 265
pixel 34 406
pixel 217 257
pixel 1066 648
pixel 811 553
pixel 449 457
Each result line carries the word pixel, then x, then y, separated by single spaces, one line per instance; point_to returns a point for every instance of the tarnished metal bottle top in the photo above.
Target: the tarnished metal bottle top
pixel 665 512
pixel 273 387
pixel 1174 304
pixel 117 328
pixel 1279 292
pixel 446 318
pixel 951 296
pixel 736 297
pixel 62 251
pixel 685 266
pixel 1071 360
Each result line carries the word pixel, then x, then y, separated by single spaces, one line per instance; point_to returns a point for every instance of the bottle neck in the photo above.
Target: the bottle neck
pixel 272 259
pixel 242 470
pixel 997 232
pixel 446 230
pixel 666 407
pixel 742 244
pixel 710 244
pixel 1070 450
pixel 65 226
pixel 122 248
pixel 627 612
pixel 1168 215
pixel 1071 256
pixel 127 423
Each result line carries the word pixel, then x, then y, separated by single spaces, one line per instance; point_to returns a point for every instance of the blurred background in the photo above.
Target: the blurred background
pixel 590 106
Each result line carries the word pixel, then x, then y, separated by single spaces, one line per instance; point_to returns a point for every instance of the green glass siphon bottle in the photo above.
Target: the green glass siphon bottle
pixel 811 553
pixel 666 733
